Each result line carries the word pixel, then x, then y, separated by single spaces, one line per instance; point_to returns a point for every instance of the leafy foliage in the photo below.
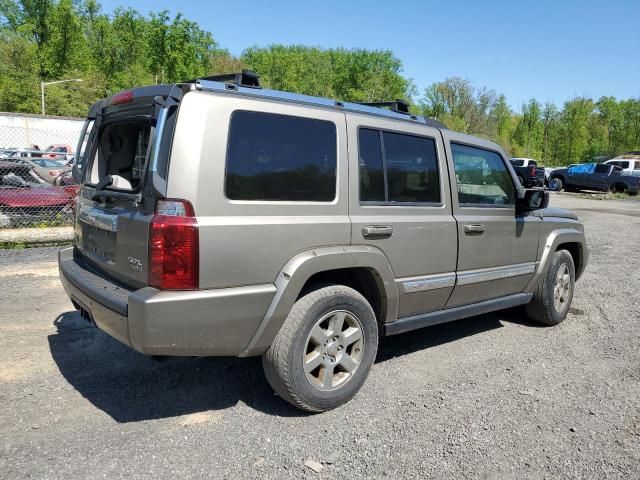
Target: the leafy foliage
pixel 45 40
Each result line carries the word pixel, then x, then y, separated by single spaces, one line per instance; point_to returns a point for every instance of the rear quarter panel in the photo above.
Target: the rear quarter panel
pixel 248 242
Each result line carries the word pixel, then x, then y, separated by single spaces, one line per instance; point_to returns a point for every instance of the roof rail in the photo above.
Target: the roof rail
pixel 397 105
pixel 246 78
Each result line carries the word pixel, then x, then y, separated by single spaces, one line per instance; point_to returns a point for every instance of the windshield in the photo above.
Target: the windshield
pixel 46 163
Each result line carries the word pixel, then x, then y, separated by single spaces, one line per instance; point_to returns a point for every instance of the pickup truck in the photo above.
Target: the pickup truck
pixel 593 176
pixel 528 173
pixel 629 166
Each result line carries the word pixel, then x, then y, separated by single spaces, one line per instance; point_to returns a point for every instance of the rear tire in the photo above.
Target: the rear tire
pixel 555 184
pixel 552 299
pixel 617 188
pixel 324 350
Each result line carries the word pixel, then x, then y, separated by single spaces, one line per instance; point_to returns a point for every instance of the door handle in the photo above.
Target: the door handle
pixel 474 228
pixel 377 232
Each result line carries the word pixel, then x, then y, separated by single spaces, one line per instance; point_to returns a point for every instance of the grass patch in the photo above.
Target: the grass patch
pixel 607 196
pixel 23 245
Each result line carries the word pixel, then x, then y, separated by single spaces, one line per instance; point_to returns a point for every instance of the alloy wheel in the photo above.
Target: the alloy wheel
pixel 562 288
pixel 333 350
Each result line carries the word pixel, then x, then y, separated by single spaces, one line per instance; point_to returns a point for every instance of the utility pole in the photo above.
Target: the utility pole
pixel 44 84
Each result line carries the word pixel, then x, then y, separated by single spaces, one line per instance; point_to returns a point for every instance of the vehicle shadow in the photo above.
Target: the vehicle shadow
pixel 132 387
pixel 410 342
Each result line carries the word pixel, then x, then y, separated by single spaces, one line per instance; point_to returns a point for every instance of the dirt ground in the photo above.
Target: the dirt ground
pixel 489 397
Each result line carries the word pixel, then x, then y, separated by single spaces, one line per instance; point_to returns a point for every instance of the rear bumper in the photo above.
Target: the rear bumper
pixel 218 322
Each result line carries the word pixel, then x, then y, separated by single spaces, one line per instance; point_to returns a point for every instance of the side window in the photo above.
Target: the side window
pixel 637 165
pixel 482 177
pixel 371 168
pixel 280 158
pixel 397 168
pixel 602 168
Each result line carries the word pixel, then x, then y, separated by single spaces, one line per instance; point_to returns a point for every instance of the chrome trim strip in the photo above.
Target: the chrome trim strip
pixel 97 218
pixel 428 282
pixel 495 273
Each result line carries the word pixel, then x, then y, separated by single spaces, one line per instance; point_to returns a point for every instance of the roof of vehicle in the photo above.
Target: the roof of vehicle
pixel 628 156
pixel 247 84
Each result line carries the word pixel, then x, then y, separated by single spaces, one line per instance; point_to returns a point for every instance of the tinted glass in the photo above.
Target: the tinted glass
pixel 623 164
pixel 517 163
pixel 280 157
pixel 602 168
pixel 371 171
pixel 412 168
pixel 482 177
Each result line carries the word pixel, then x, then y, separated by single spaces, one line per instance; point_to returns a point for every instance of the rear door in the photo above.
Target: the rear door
pixel 600 178
pixel 399 202
pixel 497 249
pixel 112 216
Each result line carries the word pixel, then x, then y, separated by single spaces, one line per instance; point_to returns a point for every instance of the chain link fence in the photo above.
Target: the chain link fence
pixel 36 154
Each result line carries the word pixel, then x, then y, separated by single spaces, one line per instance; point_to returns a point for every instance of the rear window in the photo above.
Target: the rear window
pixel 122 150
pixel 397 168
pixel 517 163
pixel 280 158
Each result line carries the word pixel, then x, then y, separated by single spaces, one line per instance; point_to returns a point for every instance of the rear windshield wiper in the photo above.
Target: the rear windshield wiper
pixel 101 195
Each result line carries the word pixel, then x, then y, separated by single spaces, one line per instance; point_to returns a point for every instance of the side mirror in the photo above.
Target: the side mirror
pixel 533 200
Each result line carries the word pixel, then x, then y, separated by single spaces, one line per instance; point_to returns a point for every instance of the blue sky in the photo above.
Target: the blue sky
pixel 550 50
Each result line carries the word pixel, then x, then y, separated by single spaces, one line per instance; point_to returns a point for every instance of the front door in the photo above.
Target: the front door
pixel 399 202
pixel 497 249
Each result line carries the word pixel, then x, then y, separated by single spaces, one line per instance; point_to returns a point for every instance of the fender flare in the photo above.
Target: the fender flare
pixel 555 238
pixel 301 267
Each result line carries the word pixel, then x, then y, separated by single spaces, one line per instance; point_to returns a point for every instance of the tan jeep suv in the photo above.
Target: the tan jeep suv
pixel 219 218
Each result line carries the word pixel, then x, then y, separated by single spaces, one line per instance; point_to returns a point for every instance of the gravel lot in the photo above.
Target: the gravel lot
pixel 489 397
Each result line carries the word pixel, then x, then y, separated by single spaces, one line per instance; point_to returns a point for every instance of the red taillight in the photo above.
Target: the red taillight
pixel 173 247
pixel 122 97
pixel 532 170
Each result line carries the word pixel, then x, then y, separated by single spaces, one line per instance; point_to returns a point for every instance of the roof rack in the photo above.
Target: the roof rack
pixel 397 105
pixel 246 78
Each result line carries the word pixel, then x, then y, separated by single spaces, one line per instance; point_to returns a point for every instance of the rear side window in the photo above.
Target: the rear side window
pixel 280 158
pixel 482 177
pixel 397 168
pixel 637 166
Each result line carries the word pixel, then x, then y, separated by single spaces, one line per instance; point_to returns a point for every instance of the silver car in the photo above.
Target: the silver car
pixel 219 218
pixel 45 168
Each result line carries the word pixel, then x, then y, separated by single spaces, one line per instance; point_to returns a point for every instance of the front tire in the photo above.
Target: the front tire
pixel 324 350
pixel 555 184
pixel 552 299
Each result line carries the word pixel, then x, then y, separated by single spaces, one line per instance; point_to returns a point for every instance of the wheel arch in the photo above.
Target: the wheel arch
pixel 359 265
pixel 570 239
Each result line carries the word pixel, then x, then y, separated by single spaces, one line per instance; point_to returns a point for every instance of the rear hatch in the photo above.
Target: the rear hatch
pixel 121 163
